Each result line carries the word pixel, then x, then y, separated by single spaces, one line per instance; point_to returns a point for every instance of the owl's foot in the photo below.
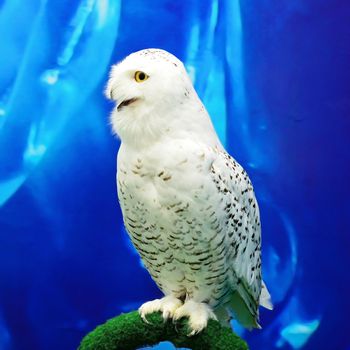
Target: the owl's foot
pixel 198 315
pixel 167 306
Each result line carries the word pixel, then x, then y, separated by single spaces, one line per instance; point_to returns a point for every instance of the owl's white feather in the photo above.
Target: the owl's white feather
pixel 188 206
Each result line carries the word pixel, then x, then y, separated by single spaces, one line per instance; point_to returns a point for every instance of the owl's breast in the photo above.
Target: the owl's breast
pixel 165 175
pixel 168 208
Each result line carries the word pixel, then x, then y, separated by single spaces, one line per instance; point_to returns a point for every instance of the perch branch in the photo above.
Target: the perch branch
pixel 129 331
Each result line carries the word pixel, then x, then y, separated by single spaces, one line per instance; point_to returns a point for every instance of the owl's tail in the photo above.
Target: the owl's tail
pixel 243 308
pixel 248 317
pixel 265 297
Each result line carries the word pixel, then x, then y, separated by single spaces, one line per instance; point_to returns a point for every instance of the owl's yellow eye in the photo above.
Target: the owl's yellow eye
pixel 140 76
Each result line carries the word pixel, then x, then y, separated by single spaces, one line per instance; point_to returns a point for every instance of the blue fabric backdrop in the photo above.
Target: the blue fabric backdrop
pixel 275 76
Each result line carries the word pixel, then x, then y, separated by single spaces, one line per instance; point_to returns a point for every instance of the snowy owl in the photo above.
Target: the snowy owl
pixel 188 206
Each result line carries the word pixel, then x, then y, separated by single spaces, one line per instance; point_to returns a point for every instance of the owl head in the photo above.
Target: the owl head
pixel 145 77
pixel 154 97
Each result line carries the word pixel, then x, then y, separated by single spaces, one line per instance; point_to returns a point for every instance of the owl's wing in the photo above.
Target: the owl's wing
pixel 240 213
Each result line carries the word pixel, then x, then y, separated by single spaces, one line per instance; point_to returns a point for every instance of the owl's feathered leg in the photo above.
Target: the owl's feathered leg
pixel 198 314
pixel 167 306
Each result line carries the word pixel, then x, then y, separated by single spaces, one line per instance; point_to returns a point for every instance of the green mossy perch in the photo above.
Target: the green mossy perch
pixel 128 331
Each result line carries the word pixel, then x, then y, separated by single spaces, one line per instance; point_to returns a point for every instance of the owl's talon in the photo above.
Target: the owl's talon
pixel 167 306
pixel 175 326
pixel 166 315
pixel 144 319
pixel 191 334
pixel 198 315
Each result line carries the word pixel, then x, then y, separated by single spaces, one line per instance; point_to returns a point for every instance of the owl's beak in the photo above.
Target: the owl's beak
pixel 126 103
pixel 109 92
